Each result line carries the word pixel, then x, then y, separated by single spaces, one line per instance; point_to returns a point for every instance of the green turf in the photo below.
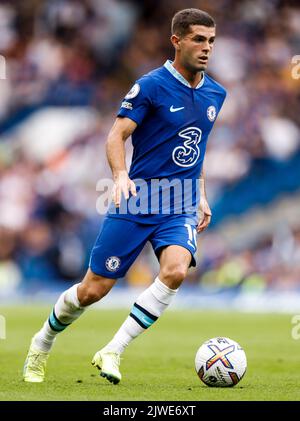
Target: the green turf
pixel 159 365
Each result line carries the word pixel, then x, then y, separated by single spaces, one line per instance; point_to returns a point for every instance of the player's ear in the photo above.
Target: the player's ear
pixel 175 40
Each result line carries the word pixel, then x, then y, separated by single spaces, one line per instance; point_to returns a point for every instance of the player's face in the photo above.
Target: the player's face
pixel 196 47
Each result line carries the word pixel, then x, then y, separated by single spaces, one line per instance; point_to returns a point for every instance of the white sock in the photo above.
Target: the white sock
pixel 66 310
pixel 146 310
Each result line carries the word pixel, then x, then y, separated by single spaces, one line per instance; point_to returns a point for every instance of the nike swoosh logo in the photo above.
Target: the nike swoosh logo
pixel 173 110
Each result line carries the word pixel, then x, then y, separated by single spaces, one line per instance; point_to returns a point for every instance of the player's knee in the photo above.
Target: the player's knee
pixel 91 295
pixel 173 275
pixel 93 288
pixel 88 297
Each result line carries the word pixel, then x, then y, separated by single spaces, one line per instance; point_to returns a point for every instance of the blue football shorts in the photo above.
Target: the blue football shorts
pixel 120 241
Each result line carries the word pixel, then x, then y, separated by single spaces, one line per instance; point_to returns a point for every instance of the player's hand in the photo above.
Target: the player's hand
pixel 206 214
pixel 123 185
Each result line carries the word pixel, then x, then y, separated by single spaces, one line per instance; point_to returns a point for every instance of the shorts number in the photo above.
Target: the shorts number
pixel 192 233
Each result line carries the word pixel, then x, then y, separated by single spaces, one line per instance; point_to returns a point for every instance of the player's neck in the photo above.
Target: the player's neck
pixel 193 78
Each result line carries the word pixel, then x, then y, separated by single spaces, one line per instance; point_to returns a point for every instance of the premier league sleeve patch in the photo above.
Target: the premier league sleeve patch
pixel 138 101
pixel 134 91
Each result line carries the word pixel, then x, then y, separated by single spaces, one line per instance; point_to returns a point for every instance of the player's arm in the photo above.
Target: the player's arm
pixel 115 151
pixel 204 208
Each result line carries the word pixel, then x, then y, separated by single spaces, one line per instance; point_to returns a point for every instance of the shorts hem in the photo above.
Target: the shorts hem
pixel 110 276
pixel 160 247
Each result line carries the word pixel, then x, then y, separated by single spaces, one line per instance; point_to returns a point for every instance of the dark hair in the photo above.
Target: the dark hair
pixel 184 18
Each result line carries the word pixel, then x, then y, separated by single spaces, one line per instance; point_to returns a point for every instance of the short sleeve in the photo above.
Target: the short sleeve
pixel 138 102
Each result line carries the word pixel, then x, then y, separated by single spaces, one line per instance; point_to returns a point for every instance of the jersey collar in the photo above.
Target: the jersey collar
pixel 169 66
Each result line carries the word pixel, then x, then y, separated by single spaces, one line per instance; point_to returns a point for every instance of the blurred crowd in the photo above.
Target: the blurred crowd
pixel 274 262
pixel 68 65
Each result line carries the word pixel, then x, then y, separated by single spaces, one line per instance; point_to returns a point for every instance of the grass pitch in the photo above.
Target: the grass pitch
pixel 159 365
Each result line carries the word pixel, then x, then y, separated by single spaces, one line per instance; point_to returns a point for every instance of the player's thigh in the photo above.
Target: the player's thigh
pixel 117 246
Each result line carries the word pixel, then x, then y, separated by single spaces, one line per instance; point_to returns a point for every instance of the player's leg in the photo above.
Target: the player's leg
pixel 108 358
pixel 69 306
pixel 149 306
pixel 175 244
pixel 174 263
pixel 111 257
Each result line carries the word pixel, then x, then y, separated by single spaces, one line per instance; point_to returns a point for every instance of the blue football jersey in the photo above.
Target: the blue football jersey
pixel 173 123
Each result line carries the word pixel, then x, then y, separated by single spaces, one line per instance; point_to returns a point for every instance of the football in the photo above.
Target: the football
pixel 220 362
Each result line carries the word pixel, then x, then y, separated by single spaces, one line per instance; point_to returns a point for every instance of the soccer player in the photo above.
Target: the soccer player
pixel 169 113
